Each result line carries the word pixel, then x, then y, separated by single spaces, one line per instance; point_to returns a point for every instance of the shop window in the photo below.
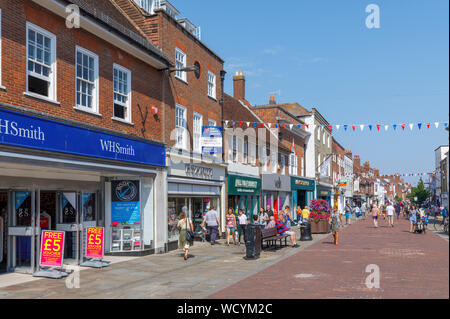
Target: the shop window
pixel 41 62
pixel 122 93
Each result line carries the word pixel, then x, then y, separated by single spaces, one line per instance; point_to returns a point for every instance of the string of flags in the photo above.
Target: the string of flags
pixel 387 175
pixel 345 127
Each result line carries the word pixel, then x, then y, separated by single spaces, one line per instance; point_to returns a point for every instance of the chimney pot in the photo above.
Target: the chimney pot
pixel 239 85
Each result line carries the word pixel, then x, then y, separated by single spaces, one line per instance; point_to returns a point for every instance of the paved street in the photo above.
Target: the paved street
pixel 411 266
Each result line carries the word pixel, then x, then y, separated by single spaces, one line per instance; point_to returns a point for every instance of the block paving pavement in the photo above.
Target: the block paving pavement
pixel 411 266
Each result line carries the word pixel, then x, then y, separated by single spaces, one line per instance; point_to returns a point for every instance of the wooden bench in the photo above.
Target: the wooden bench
pixel 271 236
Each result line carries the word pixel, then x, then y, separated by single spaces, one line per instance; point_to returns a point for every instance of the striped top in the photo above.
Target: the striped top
pixel 281 227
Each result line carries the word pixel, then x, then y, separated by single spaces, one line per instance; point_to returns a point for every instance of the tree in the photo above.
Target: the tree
pixel 420 192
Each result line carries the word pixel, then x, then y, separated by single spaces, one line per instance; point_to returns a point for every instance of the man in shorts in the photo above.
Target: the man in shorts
pixel 390 214
pixel 284 230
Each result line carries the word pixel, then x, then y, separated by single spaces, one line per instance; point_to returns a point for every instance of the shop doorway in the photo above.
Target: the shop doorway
pixel 3 230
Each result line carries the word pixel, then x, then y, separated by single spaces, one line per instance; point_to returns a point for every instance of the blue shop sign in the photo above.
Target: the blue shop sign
pixel 211 140
pixel 33 132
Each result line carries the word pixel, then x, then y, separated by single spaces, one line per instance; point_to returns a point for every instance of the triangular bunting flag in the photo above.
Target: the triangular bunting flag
pixel 411 125
pixel 362 127
pixel 353 127
pixel 419 125
pixel 370 127
pixel 307 126
pixel 345 127
pixel 338 127
pixel 255 124
pixel 330 127
pixel 403 126
pixel 394 126
pixel 240 123
pixel 436 124
pixel 299 126
pixel 262 124
pixel 428 125
pixel 378 126
pixel 386 127
pixel 226 123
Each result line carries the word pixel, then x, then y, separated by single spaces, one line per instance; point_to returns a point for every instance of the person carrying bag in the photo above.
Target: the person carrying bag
pixel 186 238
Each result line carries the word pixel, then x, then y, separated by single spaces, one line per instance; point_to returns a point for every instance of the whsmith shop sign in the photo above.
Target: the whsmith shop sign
pixel 22 130
pixel 239 185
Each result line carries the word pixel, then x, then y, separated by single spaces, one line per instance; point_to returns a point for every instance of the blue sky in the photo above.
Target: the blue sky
pixel 321 54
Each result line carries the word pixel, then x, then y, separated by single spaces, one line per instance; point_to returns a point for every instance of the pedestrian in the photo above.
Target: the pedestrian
pixel 299 214
pixel 357 211
pixel 348 214
pixel 375 213
pixel 363 210
pixel 412 219
pixel 305 214
pixel 287 218
pixel 284 230
pixel 211 219
pixel 398 208
pixel 269 211
pixel 242 224
pixel 271 223
pixel 390 214
pixel 263 218
pixel 335 221
pixel 184 224
pixel 231 226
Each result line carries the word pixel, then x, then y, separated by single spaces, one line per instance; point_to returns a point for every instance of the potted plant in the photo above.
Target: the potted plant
pixel 319 215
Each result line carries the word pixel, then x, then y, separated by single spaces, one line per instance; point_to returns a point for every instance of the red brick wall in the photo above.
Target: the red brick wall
pixel 146 80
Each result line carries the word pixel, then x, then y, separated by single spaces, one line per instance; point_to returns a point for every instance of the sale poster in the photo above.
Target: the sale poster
pixel 94 242
pixel 52 248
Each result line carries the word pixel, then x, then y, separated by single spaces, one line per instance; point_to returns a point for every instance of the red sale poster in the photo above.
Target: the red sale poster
pixel 94 242
pixel 52 248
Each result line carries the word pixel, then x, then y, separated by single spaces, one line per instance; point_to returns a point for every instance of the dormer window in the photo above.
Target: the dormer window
pixel 145 4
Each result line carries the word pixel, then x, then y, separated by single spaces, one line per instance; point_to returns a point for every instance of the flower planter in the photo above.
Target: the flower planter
pixel 321 227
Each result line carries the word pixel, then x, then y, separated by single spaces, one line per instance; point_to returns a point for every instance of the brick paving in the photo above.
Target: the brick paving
pixel 411 266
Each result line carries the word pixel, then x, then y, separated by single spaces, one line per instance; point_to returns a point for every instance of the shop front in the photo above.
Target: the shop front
pixel 302 193
pixel 56 176
pixel 276 191
pixel 325 192
pixel 244 193
pixel 193 189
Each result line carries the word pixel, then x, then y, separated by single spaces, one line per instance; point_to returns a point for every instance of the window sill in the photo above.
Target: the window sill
pixel 181 80
pixel 82 109
pixel 2 88
pixel 212 98
pixel 122 121
pixel 41 97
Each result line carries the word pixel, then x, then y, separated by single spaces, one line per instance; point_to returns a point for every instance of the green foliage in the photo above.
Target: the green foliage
pixel 420 192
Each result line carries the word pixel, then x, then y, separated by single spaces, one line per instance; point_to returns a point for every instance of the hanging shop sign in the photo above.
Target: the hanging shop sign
pixel 302 184
pixel 52 248
pixel 23 130
pixel 95 240
pixel 240 185
pixel 125 202
pixel 211 140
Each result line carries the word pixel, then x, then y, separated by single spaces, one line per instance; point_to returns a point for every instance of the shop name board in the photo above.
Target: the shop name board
pixel 325 193
pixel 199 171
pixel 302 182
pixel 28 131
pixel 238 185
pixel 246 183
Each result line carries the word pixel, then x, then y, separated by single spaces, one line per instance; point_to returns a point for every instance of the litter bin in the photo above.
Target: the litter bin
pixel 252 241
pixel 305 232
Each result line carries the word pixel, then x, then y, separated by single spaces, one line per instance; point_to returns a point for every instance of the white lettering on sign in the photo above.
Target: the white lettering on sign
pixel 14 129
pixel 246 183
pixel 114 147
pixel 198 171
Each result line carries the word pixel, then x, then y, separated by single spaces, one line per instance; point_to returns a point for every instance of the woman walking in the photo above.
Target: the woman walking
pixel 184 224
pixel 336 224
pixel 230 226
pixel 412 219
pixel 375 213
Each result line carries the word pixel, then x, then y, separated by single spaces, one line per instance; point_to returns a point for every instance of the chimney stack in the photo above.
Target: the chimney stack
pixel 272 100
pixel 239 86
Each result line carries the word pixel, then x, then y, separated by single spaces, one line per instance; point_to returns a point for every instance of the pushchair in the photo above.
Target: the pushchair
pixel 420 225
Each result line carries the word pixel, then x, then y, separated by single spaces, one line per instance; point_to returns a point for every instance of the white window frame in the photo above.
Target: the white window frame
pixel 245 151
pixel 52 89
pixel 197 124
pixel 264 158
pixel 182 75
pixel 212 85
pixel 128 118
pixel 95 103
pixel 146 5
pixel 181 129
pixel 283 164
pixel 274 160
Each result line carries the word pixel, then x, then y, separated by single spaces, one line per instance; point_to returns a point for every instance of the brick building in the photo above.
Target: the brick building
pixel 74 138
pixel 338 174
pixel 196 182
